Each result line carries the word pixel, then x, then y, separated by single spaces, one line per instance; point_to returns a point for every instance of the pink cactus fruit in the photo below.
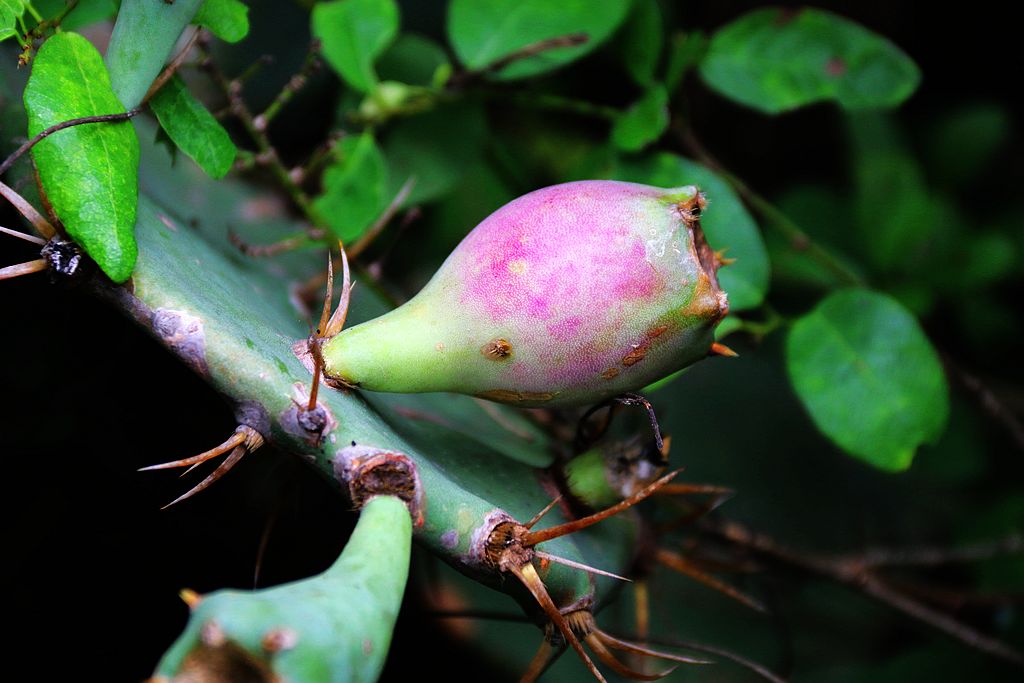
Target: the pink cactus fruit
pixel 565 296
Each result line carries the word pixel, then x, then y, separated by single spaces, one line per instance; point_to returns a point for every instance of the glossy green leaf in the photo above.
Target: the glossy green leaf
pixel 868 376
pixel 486 31
pixel 726 222
pixel 641 40
pixel 89 172
pixel 436 149
pixel 353 33
pixel 775 60
pixel 10 12
pixel 642 123
pixel 226 19
pixel 193 129
pixel 354 187
pixel 143 39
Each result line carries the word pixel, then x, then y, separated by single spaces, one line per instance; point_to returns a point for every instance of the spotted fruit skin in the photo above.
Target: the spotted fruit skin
pixel 566 296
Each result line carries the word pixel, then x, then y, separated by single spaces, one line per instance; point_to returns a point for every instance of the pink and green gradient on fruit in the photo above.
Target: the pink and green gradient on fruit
pixel 565 296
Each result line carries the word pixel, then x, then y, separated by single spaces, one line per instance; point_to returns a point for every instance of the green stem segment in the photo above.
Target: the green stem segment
pixel 332 627
pixel 144 35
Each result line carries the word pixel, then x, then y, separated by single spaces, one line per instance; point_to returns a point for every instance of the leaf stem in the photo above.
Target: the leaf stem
pixel 798 239
pixel 857 573
pixel 554 103
pixel 461 79
pixel 267 154
pixel 297 82
pixel 101 118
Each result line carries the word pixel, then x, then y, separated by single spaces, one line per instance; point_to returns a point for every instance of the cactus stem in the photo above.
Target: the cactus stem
pixel 578 565
pixel 719 349
pixel 531 579
pixel 540 515
pixel 533 538
pixel 244 440
pixel 279 639
pixel 681 565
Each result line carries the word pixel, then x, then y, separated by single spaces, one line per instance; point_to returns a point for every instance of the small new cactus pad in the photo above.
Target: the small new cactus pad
pixel 565 296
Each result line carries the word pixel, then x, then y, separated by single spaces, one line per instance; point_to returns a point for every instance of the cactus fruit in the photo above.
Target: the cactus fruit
pixel 568 295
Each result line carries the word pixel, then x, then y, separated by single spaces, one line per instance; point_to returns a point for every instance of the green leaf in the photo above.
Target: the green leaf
pixel 226 19
pixel 485 31
pixel 775 60
pixel 685 52
pixel 354 187
pixel 640 41
pixel 436 148
pixel 144 36
pixel 642 123
pixel 193 128
pixel 898 215
pixel 85 13
pixel 10 12
pixel 726 222
pixel 353 33
pixel 413 59
pixel 90 172
pixel 965 141
pixel 868 376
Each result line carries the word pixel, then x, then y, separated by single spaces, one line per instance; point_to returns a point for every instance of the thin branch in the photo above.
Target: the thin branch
pixel 794 234
pixel 297 82
pixel 102 118
pixel 267 154
pixel 873 586
pixel 987 399
pixel 553 102
pixel 463 78
pixel 275 248
pixel 385 217
pixel 172 67
pixel 856 575
pixel 925 556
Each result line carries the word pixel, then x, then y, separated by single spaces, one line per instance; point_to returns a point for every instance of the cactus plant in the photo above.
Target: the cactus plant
pixel 597 285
